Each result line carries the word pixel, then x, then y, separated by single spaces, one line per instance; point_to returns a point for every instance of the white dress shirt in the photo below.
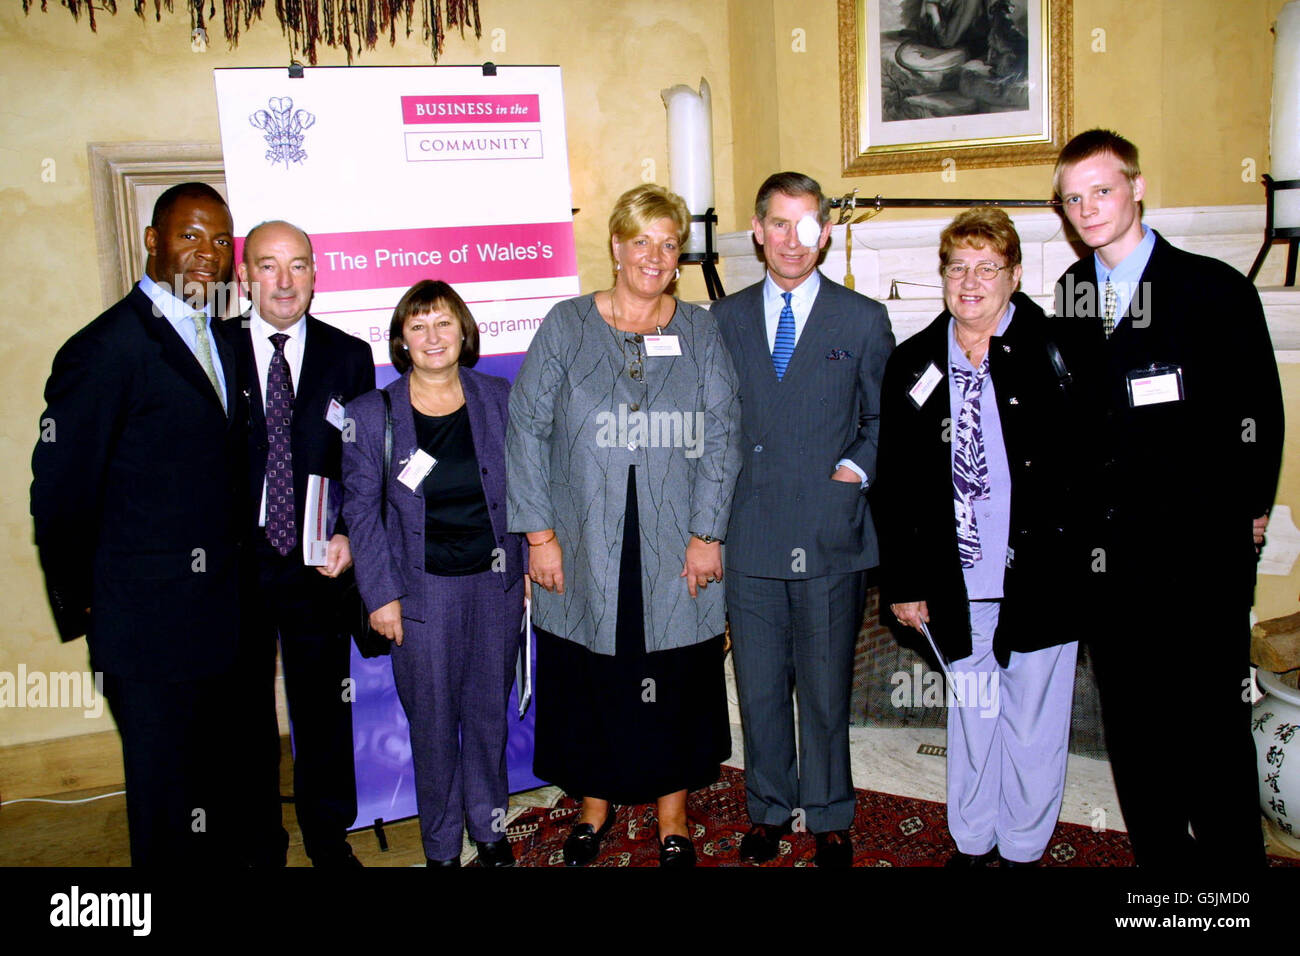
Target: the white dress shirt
pixel 262 331
pixel 801 302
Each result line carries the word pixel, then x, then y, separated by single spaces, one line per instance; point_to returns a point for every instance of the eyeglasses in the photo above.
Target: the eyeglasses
pixel 634 365
pixel 982 270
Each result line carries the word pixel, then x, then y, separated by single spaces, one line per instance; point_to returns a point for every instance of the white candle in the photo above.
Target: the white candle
pixel 1285 143
pixel 690 152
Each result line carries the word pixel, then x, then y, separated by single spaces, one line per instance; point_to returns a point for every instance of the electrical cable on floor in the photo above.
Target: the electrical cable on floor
pixel 115 793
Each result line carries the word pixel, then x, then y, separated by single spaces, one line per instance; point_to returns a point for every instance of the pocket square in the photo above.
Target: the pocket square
pixel 836 354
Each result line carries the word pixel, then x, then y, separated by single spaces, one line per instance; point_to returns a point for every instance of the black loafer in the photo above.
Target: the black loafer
pixel 1015 864
pixel 676 851
pixel 834 850
pixel 453 862
pixel 964 861
pixel 583 843
pixel 497 853
pixel 763 840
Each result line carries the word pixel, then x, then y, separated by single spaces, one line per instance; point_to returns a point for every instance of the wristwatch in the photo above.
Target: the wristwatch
pixel 706 538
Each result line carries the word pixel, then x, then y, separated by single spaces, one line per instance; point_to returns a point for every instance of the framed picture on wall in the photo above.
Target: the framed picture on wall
pixel 971 82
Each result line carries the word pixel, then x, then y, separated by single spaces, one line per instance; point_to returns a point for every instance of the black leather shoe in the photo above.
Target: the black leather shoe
pixel 1003 861
pixel 676 851
pixel 583 843
pixel 964 861
pixel 453 862
pixel 834 850
pixel 498 853
pixel 343 859
pixel 762 841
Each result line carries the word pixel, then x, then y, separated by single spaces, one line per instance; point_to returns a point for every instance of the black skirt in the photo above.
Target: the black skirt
pixel 635 726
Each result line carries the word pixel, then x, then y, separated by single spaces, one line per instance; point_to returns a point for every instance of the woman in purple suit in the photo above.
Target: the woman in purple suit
pixel 440 575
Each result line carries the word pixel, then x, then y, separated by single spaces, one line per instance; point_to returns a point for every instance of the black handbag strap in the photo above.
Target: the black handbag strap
pixel 388 455
pixel 1063 376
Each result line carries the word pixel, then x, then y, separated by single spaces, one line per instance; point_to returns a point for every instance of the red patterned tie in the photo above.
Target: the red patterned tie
pixel 281 527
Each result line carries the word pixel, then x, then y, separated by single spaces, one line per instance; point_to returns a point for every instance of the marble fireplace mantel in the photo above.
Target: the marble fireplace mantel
pixel 892 252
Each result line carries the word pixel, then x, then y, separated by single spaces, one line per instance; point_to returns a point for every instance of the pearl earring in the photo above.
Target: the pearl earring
pixel 618 266
pixel 677 274
pixel 406 348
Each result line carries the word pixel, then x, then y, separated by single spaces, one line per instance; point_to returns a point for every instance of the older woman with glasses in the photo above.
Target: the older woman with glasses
pixel 974 505
pixel 623 451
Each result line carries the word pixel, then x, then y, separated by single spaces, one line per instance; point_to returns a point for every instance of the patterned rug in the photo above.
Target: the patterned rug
pixel 888 830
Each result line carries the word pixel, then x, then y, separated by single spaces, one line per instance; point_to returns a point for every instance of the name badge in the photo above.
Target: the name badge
pixel 416 469
pixel 1155 385
pixel 663 345
pixel 334 413
pixel 919 392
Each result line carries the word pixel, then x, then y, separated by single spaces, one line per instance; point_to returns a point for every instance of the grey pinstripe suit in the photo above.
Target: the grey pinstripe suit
pixel 799 542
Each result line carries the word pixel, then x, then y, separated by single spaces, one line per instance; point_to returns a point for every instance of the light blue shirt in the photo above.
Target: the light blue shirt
pixel 178 313
pixel 1125 276
pixel 992 515
pixel 802 298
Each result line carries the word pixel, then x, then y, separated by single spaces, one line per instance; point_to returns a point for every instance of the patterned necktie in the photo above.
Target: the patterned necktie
pixel 1111 302
pixel 281 528
pixel 783 346
pixel 970 469
pixel 203 352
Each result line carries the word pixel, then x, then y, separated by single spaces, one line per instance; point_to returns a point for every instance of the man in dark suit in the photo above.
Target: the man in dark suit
pixel 1189 446
pixel 134 500
pixel 296 374
pixel 810 355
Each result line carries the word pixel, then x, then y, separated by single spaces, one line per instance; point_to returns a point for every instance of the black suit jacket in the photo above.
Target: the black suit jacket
pixel 133 497
pixel 334 365
pixel 913 495
pixel 1177 484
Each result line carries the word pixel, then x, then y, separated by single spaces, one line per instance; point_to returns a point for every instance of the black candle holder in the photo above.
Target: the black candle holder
pixel 707 259
pixel 1288 234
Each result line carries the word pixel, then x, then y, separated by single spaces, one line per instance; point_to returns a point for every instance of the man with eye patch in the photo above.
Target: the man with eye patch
pixel 810 355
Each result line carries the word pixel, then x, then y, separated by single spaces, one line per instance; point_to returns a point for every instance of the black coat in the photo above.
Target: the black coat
pixel 134 499
pixel 1176 485
pixel 912 496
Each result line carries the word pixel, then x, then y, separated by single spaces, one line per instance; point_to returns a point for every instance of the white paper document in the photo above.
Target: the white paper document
pixel 315 522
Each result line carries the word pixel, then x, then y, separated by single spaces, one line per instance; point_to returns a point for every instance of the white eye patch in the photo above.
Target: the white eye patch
pixel 808 231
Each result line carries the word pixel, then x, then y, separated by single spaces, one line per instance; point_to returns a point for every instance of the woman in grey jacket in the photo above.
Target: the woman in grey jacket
pixel 622 454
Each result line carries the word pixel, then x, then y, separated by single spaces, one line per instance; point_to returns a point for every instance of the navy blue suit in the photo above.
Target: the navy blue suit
pixel 134 500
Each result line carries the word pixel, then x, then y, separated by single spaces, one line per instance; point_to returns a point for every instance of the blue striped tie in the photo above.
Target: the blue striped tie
pixel 783 347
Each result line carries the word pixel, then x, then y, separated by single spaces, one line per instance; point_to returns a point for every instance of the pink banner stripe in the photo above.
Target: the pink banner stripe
pixel 473 108
pixel 348 261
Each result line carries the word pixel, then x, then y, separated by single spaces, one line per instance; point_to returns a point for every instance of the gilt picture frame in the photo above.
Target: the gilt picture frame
pixel 931 84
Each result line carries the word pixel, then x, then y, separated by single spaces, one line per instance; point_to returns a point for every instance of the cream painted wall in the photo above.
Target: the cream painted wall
pixel 64 87
pixel 1187 80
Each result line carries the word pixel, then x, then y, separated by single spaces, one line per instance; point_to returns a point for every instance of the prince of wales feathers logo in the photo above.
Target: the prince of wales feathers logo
pixel 283 126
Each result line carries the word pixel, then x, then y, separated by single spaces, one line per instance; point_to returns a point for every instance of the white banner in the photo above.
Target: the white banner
pixel 406 173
